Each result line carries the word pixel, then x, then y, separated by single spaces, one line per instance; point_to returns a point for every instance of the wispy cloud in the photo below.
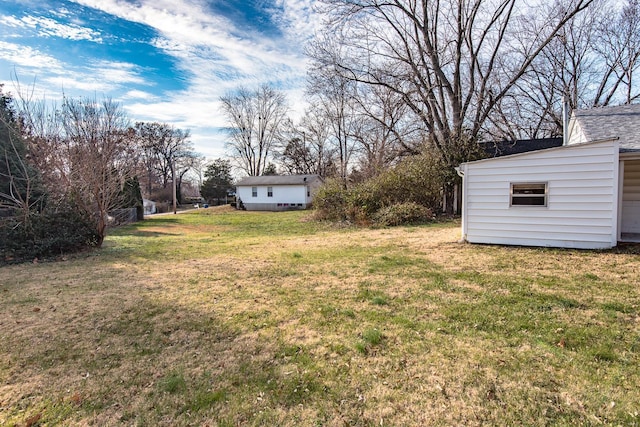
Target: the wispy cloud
pixel 139 95
pixel 117 73
pixel 28 57
pixel 190 32
pixel 215 56
pixel 212 50
pixel 300 20
pixel 47 27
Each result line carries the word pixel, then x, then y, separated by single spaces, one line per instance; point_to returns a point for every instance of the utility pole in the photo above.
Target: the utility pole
pixel 173 177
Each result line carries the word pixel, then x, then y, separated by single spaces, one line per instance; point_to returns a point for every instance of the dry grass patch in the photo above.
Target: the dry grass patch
pixel 223 318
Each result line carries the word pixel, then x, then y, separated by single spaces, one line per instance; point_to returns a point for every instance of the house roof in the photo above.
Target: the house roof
pixel 506 148
pixel 278 180
pixel 622 122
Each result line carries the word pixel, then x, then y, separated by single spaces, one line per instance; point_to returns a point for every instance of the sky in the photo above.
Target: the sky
pixel 168 61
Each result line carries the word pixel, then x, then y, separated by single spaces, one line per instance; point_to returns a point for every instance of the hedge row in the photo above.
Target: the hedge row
pixel 44 235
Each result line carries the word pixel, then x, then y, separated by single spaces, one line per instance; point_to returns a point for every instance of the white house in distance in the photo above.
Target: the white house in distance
pixel 585 194
pixel 276 193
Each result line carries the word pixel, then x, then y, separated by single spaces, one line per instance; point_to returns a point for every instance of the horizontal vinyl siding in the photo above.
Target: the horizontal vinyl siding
pixel 289 194
pixel 243 193
pixel 490 214
pixel 581 195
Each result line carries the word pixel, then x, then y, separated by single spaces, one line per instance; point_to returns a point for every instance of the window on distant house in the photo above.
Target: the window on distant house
pixel 269 191
pixel 529 194
pixel 254 191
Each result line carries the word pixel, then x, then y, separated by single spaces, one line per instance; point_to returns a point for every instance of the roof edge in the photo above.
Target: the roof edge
pixel 528 153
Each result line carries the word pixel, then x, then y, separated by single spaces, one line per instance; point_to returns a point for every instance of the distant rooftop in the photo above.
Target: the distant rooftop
pixel 278 180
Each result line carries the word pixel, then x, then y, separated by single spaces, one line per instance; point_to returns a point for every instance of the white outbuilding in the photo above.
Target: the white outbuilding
pixel 585 194
pixel 149 206
pixel 277 193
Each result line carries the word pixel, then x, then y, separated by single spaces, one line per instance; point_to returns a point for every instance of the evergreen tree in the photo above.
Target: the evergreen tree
pixel 132 196
pixel 218 180
pixel 270 170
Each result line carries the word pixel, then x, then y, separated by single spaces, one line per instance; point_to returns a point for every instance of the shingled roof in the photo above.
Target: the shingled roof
pixel 278 180
pixel 621 122
pixel 506 148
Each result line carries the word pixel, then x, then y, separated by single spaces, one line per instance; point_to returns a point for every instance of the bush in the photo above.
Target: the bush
pixel 402 213
pixel 330 201
pixel 45 235
pixel 416 181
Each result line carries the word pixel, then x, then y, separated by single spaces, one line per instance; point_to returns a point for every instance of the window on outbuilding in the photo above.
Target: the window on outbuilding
pixel 269 191
pixel 254 191
pixel 529 194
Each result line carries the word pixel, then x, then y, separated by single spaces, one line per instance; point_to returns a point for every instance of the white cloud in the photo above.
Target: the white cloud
pixel 215 56
pixel 188 30
pixel 70 82
pixel 28 57
pixel 103 77
pixel 12 21
pixel 116 73
pixel 212 53
pixel 48 27
pixel 61 12
pixel 139 95
pixel 300 19
pixel 202 118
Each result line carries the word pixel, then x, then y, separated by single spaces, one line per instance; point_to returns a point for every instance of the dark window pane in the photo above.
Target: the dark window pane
pixel 528 201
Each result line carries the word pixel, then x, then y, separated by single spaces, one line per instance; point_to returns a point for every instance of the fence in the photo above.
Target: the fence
pixel 122 216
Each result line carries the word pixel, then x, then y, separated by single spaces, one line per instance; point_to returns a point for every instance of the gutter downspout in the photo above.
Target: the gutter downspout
pixel 565 120
pixel 461 171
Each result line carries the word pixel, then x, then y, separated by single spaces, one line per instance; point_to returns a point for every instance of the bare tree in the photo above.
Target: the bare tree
pixel 255 121
pixel 162 145
pixel 184 164
pixel 593 61
pixel 388 130
pixel 533 107
pixel 618 45
pixel 451 62
pixel 314 131
pixel 307 149
pixel 84 151
pixel 334 96
pixel 41 127
pixel 98 150
pixel 20 186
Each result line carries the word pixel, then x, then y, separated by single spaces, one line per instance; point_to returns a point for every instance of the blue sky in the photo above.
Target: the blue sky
pixel 163 60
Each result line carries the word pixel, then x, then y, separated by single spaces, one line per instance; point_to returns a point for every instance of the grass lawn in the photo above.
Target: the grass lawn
pixel 225 318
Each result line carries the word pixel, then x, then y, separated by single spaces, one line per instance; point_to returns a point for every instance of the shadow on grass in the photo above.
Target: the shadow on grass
pixel 145 233
pixel 146 362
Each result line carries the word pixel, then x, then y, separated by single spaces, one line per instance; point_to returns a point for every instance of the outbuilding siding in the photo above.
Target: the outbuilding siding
pixel 581 198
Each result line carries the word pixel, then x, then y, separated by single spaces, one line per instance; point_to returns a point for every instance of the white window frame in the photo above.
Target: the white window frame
pixel 254 191
pixel 518 190
pixel 269 191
